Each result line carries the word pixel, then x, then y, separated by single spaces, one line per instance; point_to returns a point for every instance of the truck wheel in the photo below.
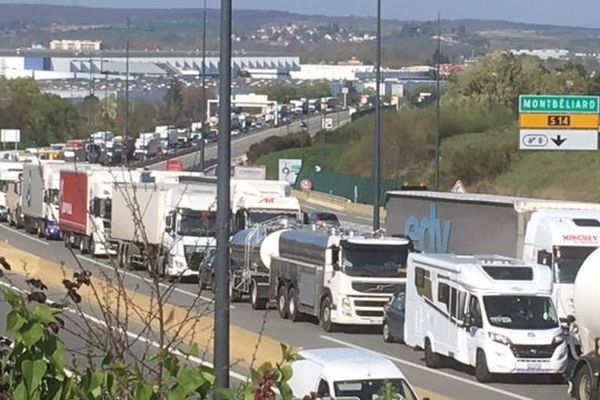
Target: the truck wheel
pixel 432 359
pixel 282 302
pixel 582 385
pixel 293 312
pixel 83 248
pixel 255 302
pixel 325 316
pixel 482 373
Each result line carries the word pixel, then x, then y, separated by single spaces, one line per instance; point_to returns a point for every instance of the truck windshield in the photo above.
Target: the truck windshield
pixel 258 217
pixel 568 260
pixel 371 389
pixel 375 261
pixel 520 312
pixel 198 223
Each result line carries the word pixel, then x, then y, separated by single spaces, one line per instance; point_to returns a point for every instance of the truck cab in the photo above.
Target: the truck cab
pixel 190 228
pixel 562 240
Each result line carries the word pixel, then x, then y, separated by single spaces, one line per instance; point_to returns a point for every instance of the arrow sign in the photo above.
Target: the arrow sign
pixel 558 140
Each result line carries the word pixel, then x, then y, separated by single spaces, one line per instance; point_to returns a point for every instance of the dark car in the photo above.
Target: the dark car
pixel 393 319
pixel 205 271
pixel 322 218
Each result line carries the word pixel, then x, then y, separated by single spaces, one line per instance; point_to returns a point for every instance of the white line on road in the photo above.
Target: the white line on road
pixel 147 280
pixel 429 370
pixel 25 235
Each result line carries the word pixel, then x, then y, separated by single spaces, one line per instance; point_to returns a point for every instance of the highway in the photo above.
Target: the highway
pixel 447 383
pixel 240 145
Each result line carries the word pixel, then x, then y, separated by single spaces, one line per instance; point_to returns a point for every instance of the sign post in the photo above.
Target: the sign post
pixel 558 122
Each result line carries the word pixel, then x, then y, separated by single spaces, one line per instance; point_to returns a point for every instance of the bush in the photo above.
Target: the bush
pixel 276 143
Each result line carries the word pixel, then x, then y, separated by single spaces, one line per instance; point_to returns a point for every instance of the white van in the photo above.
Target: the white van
pixel 488 311
pixel 342 372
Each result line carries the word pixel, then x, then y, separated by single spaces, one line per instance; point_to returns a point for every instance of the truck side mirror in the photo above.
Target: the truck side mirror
pixel 544 258
pixel 467 321
pixel 335 258
pixel 168 223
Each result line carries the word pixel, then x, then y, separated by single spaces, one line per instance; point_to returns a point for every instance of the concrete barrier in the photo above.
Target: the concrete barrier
pixel 337 203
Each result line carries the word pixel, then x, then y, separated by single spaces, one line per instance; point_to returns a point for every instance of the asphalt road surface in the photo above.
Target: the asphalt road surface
pixel 453 382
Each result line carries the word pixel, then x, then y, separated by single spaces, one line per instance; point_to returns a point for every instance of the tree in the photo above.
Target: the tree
pixel 192 101
pixel 170 110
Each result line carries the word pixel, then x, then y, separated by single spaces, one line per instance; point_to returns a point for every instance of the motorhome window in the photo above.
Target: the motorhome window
pixel 586 222
pixel 198 223
pixel 567 261
pixel 475 311
pixel 370 389
pixel 423 283
pixel 509 273
pixel 444 294
pixel 520 312
pixel 374 261
pixel 453 302
pixel 459 311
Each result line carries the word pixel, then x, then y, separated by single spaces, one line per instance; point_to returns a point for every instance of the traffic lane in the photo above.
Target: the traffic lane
pixel 356 222
pixel 453 384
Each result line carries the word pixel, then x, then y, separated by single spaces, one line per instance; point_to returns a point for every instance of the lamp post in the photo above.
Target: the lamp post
pixel 377 141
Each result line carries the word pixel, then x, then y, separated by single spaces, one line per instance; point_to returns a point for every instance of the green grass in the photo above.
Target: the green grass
pixel 310 156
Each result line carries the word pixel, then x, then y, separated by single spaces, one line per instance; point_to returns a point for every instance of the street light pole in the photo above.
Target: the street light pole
pixel 221 344
pixel 377 142
pixel 203 128
pixel 126 136
pixel 437 106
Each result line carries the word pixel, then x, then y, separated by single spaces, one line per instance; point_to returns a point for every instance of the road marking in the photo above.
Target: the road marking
pixel 40 241
pixel 137 337
pixel 147 280
pixel 429 370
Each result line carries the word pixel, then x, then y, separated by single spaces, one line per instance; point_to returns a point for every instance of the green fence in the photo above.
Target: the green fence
pixel 358 189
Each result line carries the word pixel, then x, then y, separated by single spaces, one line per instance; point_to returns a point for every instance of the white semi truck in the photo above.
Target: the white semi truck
pixel 584 376
pixel 10 174
pixel 256 201
pixel 559 234
pixel 340 279
pixel 40 197
pixel 165 228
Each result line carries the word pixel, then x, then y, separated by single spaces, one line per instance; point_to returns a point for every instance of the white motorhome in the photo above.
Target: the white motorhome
pixel 343 372
pixel 491 312
pixel 257 201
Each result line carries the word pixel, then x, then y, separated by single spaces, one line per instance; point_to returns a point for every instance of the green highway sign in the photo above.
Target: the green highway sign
pixel 559 104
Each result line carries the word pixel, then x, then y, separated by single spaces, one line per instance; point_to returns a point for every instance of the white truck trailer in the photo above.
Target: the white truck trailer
pixel 340 279
pixel 559 234
pixel 165 228
pixel 257 201
pixel 584 376
pixel 491 312
pixel 40 198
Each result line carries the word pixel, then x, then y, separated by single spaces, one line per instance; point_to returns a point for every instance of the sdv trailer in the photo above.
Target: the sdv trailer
pixel 558 234
pixel 40 198
pixel 165 228
pixel 341 280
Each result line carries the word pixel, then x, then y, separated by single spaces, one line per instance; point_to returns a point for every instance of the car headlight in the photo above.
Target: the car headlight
pixel 558 339
pixel 496 337
pixel 346 304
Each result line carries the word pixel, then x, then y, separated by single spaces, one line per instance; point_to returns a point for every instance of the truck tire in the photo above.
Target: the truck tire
pixel 255 302
pixel 482 373
pixel 294 314
pixel 325 316
pixel 582 385
pixel 282 302
pixel 432 359
pixel 83 247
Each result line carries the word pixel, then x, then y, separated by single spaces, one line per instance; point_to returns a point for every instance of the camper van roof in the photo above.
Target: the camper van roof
pixel 342 363
pixel 520 204
pixel 490 273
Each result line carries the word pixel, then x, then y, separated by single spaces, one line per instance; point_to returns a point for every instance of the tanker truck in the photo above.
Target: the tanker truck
pixel 584 381
pixel 339 278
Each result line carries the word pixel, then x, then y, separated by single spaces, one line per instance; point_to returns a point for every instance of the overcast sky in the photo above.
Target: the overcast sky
pixel 560 12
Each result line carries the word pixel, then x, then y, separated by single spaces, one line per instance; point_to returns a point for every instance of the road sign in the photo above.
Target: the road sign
pixel 559 121
pixel 554 139
pixel 10 135
pixel 559 104
pixel 459 187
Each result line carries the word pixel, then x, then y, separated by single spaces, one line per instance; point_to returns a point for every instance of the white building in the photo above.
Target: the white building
pixel 344 72
pixel 76 45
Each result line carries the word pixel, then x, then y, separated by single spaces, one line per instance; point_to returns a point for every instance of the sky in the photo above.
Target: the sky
pixel 585 13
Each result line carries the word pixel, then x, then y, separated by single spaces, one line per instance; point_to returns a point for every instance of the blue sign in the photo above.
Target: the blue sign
pixel 429 234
